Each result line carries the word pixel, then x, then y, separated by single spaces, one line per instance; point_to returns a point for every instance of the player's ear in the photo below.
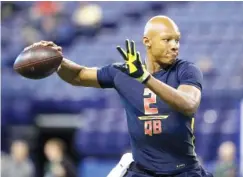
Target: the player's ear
pixel 146 42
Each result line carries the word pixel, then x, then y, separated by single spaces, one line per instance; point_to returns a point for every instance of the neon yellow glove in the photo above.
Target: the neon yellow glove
pixel 133 65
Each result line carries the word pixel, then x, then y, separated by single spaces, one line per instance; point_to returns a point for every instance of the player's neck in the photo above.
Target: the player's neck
pixel 152 66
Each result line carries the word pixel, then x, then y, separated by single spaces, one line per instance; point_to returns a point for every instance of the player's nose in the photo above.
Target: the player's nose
pixel 174 45
pixel 174 49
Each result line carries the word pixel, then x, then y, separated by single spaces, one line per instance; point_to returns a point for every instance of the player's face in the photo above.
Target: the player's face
pixel 165 46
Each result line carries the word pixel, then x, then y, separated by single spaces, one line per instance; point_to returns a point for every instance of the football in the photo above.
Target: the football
pixel 37 62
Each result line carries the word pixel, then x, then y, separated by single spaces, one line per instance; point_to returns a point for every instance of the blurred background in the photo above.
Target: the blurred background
pixel 52 129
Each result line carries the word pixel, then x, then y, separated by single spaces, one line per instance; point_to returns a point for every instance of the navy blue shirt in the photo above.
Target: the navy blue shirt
pixel 161 137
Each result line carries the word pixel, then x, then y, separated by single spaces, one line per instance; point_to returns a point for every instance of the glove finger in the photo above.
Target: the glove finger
pixel 128 46
pixel 133 48
pixel 139 58
pixel 122 52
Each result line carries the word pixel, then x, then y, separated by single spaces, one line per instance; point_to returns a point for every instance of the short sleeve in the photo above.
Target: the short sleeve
pixel 189 74
pixel 106 76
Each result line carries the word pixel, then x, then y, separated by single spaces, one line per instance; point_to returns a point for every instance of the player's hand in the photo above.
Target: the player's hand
pixel 133 65
pixel 46 43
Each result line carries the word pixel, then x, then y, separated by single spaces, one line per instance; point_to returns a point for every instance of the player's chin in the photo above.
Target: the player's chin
pixel 168 59
pixel 171 59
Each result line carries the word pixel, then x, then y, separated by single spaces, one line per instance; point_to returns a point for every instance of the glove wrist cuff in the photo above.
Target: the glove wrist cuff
pixel 144 78
pixel 144 82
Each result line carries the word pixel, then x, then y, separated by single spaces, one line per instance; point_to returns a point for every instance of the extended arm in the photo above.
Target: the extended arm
pixel 71 72
pixel 78 75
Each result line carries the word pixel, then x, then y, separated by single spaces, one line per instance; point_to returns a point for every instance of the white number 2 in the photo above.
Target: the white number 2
pixel 147 101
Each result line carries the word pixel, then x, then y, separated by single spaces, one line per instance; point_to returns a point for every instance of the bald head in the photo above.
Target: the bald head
pixel 160 24
pixel 161 39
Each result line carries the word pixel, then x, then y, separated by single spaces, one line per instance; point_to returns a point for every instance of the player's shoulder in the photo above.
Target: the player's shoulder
pixel 111 68
pixel 183 65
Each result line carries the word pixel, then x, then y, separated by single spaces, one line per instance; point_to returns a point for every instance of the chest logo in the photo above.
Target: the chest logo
pixel 152 122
